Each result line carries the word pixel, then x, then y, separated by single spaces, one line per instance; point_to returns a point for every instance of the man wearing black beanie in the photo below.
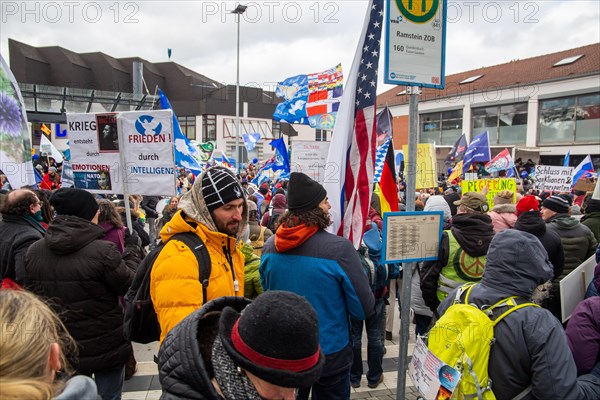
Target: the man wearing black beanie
pixel 215 209
pixel 82 277
pixel 324 269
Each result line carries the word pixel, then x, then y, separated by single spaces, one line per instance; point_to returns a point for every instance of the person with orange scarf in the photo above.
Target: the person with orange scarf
pixel 324 269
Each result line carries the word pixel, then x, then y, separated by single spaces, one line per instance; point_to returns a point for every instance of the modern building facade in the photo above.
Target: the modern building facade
pixel 538 108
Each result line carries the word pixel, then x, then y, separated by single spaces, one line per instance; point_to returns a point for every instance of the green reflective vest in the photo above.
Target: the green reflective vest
pixel 460 268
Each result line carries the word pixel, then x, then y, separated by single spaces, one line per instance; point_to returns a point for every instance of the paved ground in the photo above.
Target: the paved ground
pixel 144 385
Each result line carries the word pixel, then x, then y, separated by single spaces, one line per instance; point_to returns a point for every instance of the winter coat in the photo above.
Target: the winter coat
pixel 531 346
pixel 503 216
pixel 583 334
pixel 577 240
pixel 79 387
pixel 175 285
pixel 255 231
pixel 375 218
pixel 532 222
pixel 48 183
pixel 276 208
pixel 148 204
pixel 592 221
pixel 17 233
pixel 184 360
pixel 474 233
pixel 114 235
pixel 252 287
pixel 82 276
pixel 326 270
pixel 417 304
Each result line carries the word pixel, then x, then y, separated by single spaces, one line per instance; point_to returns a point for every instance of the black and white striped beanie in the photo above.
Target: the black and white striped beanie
pixel 557 204
pixel 219 187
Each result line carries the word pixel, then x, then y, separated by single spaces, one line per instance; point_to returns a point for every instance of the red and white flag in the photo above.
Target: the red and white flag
pixel 351 159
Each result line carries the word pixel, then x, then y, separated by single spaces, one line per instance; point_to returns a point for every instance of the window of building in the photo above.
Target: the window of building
pixel 188 126
pixel 573 119
pixel 506 124
pixel 321 135
pixel 209 128
pixel 442 128
pixel 276 129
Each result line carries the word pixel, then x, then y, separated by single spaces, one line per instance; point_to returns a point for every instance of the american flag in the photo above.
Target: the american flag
pixel 351 159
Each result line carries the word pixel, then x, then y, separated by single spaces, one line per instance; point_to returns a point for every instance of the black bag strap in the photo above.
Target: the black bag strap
pixel 195 243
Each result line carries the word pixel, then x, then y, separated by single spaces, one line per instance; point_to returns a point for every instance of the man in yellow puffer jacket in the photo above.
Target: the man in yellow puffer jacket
pixel 216 210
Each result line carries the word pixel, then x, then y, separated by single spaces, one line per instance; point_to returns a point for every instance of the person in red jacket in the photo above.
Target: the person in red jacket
pixel 51 180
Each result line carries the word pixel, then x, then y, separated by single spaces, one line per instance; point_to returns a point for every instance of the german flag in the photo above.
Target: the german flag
pixel 388 190
pixel 45 129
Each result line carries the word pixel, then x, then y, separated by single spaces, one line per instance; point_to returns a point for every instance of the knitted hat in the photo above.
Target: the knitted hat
pixel 77 202
pixel 527 203
pixel 219 187
pixel 504 197
pixel 252 206
pixel 557 204
pixel 304 193
pixel 437 203
pixel 475 201
pixel 275 338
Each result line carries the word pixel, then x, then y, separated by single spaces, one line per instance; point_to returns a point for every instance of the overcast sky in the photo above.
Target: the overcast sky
pixel 280 39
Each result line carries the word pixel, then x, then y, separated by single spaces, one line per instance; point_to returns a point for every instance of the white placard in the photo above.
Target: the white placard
pixel 433 378
pixel 415 43
pixel 574 286
pixel 148 151
pixel 549 177
pixel 310 158
pixel 411 236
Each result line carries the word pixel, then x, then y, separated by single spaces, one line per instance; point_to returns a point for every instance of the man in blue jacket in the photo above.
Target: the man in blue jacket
pixel 326 270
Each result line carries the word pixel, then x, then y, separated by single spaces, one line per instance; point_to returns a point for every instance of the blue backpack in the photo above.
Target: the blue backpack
pixel 370 256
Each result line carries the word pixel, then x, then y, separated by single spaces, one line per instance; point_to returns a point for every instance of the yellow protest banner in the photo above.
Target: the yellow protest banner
pixel 426 165
pixel 494 186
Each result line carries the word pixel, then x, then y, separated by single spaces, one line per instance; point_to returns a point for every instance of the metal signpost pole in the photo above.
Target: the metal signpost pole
pixel 411 180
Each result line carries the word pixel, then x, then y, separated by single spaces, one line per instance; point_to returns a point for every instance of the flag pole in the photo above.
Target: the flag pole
pixel 411 183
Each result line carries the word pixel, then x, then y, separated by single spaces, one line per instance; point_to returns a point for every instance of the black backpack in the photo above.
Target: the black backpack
pixel 273 217
pixel 140 323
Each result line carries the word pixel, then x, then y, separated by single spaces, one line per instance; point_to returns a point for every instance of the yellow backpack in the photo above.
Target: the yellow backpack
pixel 259 243
pixel 463 337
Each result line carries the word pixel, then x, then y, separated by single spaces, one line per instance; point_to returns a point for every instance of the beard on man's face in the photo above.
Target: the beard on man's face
pixel 229 228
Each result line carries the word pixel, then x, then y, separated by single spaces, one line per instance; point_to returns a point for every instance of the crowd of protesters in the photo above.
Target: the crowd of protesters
pixel 281 314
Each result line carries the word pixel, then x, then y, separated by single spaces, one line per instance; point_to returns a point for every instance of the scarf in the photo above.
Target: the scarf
pixel 233 382
pixel 290 238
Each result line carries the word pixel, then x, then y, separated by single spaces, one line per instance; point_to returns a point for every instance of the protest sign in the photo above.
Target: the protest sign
pixel 494 186
pixel 426 165
pixel 552 178
pixel 432 377
pixel 147 139
pixel 574 286
pixel 310 158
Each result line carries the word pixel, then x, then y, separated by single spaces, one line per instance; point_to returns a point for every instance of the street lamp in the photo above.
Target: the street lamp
pixel 239 10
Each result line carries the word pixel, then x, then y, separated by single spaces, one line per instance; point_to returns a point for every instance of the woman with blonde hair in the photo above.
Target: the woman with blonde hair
pixel 35 345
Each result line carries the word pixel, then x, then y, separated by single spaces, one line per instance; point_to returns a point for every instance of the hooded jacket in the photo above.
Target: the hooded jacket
pixel 277 207
pixel 252 287
pixel 184 359
pixel 17 233
pixel 503 216
pixel 326 270
pixel 175 286
pixel 532 222
pixel 82 276
pixel 578 241
pixel 531 347
pixel 592 221
pixel 583 334
pixel 474 233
